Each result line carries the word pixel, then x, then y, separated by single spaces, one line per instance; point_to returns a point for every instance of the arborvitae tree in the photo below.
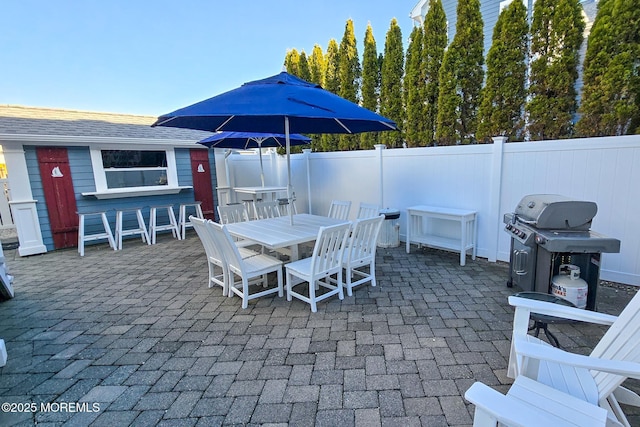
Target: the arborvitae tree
pixel 501 111
pixel 332 67
pixel 611 91
pixel 391 105
pixel 435 43
pixel 329 142
pixel 556 36
pixel 292 62
pixel 303 67
pixel 414 82
pixel 317 65
pixel 370 84
pixel 461 77
pixel 349 72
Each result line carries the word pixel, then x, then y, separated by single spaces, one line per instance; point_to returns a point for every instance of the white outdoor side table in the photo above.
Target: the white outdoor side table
pixel 420 231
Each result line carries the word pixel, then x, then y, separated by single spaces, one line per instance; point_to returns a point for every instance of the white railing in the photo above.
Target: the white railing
pixel 6 220
pixel 490 179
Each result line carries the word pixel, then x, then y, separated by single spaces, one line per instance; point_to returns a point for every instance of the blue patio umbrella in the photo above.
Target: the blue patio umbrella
pixel 278 104
pixel 246 140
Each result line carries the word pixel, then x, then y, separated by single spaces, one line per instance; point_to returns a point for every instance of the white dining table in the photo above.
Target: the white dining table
pixel 255 191
pixel 277 233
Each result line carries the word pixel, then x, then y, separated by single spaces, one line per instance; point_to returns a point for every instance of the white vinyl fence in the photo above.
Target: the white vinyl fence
pixel 490 179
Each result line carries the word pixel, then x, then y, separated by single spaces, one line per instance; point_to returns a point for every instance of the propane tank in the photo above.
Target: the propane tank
pixel 568 285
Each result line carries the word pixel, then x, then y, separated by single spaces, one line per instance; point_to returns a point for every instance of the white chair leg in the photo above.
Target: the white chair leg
pixel 84 237
pixel 107 229
pixel 81 234
pixel 152 224
pixel 183 221
pixel 144 234
pixel 119 230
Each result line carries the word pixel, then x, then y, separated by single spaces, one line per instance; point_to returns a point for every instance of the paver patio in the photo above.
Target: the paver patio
pixel 138 333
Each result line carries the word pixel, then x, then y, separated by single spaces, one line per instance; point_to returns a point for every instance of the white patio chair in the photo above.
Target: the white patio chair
pixel 366 210
pixel 530 403
pixel 284 206
pixel 214 254
pixel 318 269
pixel 235 213
pixel 232 213
pixel 596 378
pixel 267 210
pixel 339 209
pixel 253 267
pixel 361 253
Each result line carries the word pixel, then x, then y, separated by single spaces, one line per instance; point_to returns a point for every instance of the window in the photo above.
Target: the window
pixel 134 168
pixel 125 169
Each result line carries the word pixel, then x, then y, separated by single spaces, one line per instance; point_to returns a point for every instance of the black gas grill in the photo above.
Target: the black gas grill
pixel 548 230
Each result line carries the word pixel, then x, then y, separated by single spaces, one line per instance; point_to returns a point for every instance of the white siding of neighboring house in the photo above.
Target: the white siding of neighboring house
pixel 490 10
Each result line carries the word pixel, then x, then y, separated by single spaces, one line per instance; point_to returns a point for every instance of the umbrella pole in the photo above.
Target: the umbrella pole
pixel 288 147
pixel 261 167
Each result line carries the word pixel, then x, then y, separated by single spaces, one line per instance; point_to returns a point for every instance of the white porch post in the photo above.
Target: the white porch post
pixel 23 207
pixel 495 193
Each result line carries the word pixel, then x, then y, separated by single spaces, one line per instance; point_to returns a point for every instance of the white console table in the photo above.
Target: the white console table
pixel 421 232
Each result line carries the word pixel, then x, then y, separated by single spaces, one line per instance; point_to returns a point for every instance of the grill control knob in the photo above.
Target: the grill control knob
pixel 540 240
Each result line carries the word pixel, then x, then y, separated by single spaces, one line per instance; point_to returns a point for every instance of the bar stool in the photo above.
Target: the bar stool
pixel 153 222
pixel 84 237
pixel 183 221
pixel 141 230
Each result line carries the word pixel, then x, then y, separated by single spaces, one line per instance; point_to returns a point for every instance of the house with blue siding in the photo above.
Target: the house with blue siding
pixel 60 162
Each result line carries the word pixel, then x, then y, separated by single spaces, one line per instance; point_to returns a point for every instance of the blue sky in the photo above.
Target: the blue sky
pixel 152 57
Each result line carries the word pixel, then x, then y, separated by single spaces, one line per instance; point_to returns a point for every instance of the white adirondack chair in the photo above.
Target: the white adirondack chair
pixel 596 378
pixel 530 403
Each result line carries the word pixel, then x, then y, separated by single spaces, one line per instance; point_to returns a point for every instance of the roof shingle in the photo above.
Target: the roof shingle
pixel 15 119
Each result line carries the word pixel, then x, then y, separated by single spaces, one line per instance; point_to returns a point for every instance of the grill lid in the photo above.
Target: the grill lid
pixel 553 211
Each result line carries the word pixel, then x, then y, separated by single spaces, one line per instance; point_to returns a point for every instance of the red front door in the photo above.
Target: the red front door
pixel 59 195
pixel 202 189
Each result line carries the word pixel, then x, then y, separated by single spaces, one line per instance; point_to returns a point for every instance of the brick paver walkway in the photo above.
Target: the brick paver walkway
pixel 135 337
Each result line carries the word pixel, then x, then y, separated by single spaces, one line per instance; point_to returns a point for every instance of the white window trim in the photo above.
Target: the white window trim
pixel 100 178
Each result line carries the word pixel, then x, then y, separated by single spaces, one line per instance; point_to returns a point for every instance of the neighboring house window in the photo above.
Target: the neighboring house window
pixel 115 169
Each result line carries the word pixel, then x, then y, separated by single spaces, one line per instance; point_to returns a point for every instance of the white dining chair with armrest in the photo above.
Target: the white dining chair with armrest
pixel 284 206
pixel 268 209
pixel 361 253
pixel 596 378
pixel 247 269
pixel 339 209
pixel 215 260
pixel 318 269
pixel 366 210
pixel 232 213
